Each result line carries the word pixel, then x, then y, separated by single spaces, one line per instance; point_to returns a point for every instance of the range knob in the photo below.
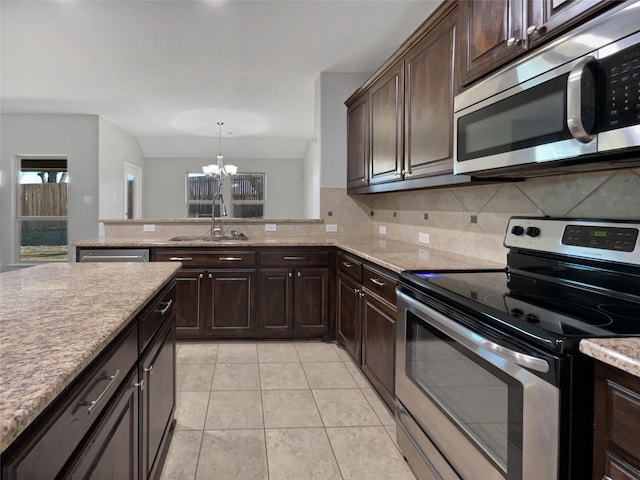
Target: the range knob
pixel 517 230
pixel 533 231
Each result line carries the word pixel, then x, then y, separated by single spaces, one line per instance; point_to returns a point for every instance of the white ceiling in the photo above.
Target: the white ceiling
pixel 166 71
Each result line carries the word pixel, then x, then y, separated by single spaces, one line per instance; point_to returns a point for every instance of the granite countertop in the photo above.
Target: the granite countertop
pixel 622 353
pixel 54 320
pixel 392 254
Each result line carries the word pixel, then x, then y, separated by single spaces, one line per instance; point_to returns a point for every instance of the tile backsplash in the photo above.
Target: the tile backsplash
pixel 472 219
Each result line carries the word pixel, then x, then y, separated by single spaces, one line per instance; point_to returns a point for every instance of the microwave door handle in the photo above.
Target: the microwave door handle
pixel 472 340
pixel 574 101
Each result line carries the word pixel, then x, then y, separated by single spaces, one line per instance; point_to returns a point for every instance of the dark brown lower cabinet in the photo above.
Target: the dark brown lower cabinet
pixel 190 318
pixel 158 398
pixel 112 450
pixel 379 344
pixel 616 452
pixel 229 299
pixel 293 302
pixel 348 316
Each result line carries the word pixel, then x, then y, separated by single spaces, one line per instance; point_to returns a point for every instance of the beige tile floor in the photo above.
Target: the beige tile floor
pixel 272 411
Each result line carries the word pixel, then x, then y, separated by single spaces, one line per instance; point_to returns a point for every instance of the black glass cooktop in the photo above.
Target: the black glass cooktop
pixel 556 316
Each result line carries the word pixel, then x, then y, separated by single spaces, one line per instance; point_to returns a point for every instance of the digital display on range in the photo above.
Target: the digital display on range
pixel 605 238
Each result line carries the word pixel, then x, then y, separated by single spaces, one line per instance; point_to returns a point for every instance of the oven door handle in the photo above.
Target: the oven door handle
pixel 472 340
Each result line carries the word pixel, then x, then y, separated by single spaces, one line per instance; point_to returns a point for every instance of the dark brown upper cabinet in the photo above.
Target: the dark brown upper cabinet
pixel 430 85
pixel 493 32
pixel 358 143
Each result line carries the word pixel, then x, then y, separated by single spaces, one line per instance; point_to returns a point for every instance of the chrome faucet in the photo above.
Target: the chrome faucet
pixel 217 231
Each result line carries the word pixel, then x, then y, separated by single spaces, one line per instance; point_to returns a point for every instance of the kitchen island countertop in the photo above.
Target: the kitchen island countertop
pixel 622 353
pixel 54 320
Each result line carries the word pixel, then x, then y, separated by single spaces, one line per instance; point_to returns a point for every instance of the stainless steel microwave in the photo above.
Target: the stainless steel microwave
pixel 573 105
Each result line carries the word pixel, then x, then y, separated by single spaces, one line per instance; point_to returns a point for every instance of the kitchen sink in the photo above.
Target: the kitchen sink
pixel 210 238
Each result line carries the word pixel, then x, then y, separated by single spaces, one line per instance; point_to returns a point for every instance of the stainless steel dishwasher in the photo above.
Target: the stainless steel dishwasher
pixel 113 255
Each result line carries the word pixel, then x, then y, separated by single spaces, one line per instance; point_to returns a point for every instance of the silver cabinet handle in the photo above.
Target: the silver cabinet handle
pixel 290 274
pixel 149 370
pixel 165 309
pixel 574 103
pixel 532 29
pixel 229 259
pixel 139 384
pixel 112 258
pixel 347 265
pixel 299 274
pixel 210 275
pixel 468 338
pixel 96 402
pixel 511 42
pixel 294 258
pixel 201 276
pixel 356 291
pixel 361 293
pixel 377 282
pixel 180 259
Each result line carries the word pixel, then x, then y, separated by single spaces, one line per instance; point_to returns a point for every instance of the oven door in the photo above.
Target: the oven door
pixel 480 404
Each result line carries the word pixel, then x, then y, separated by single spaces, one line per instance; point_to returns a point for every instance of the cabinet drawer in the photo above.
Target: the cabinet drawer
pixel 161 310
pixel 379 283
pixel 65 423
pixel 295 258
pixel 624 417
pixel 215 259
pixel 350 266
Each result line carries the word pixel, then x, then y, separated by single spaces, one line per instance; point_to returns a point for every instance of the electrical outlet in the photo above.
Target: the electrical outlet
pixel 423 254
pixel 149 228
pixel 382 230
pixel 331 227
pixel 270 227
pixel 423 237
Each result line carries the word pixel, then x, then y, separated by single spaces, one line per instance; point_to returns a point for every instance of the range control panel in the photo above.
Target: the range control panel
pixel 610 240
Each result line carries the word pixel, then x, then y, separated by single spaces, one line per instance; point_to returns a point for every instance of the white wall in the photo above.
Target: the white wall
pixel 115 148
pixel 164 185
pixel 312 162
pixel 335 89
pixel 73 136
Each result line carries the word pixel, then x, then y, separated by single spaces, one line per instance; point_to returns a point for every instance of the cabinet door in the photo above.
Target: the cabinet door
pixel 311 302
pixel 379 345
pixel 231 300
pixel 430 79
pixel 491 32
pixel 189 314
pixel 358 143
pixel 386 104
pixel 616 451
pixel 275 303
pixel 348 316
pixel 158 396
pixel 112 450
pixel 546 18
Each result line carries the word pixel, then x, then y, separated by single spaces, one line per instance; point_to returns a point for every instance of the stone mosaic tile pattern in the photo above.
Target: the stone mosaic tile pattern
pixel 55 319
pixel 622 353
pixel 296 423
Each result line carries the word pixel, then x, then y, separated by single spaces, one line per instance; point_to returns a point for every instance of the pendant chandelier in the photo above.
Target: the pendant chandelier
pixel 219 169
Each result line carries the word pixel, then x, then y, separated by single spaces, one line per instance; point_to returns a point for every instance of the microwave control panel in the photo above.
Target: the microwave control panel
pixel 621 76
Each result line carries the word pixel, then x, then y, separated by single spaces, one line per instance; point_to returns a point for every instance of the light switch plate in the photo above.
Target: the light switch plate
pixel 423 237
pixel 270 227
pixel 331 227
pixel 149 228
pixel 382 230
pixel 87 199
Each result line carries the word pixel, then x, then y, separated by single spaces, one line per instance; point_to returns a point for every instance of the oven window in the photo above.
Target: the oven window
pixel 532 117
pixel 483 402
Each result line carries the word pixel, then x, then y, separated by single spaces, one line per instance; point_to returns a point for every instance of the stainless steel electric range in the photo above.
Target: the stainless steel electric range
pixel 489 378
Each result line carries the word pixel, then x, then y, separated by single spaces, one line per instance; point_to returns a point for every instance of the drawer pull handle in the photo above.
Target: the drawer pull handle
pixel 165 309
pixel 96 402
pixel 377 282
pixel 229 259
pixel 295 258
pixel 347 265
pixel 139 384
pixel 180 259
pixel 149 370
